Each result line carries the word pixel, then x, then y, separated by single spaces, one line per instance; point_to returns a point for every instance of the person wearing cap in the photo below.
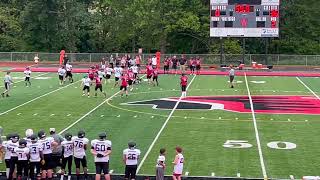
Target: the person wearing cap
pixel 22 164
pixel 12 145
pixel 130 158
pixel 231 76
pixel 85 82
pixel 184 83
pixel 101 150
pixel 80 143
pixel 7 152
pixel 56 150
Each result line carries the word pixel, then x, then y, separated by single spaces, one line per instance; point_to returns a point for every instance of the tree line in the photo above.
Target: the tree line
pixel 171 26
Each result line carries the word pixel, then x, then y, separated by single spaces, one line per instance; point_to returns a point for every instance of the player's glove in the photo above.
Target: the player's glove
pixel 100 155
pixel 43 162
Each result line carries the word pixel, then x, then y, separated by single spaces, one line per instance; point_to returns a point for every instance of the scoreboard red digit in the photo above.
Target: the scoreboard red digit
pixel 244 18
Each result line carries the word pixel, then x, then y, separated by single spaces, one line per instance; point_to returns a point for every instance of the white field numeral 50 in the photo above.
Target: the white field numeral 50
pixel 241 144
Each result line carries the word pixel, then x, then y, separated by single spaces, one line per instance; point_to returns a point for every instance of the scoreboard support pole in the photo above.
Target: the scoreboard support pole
pixel 266 50
pixel 243 50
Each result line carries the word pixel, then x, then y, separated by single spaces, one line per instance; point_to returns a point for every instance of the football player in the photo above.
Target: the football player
pixel 80 146
pixel 231 76
pixel 61 73
pixel 47 162
pixel 124 84
pixel 99 86
pixel 108 72
pixel 101 149
pixel 131 79
pixel 184 83
pixel 85 82
pixel 155 74
pixel 67 147
pixel 160 166
pixel 27 74
pixel 7 154
pixel 149 72
pixel 29 133
pixel 178 164
pixel 117 74
pixel 23 153
pixel 69 72
pixel 131 156
pixel 12 145
pixel 35 157
pixel 198 65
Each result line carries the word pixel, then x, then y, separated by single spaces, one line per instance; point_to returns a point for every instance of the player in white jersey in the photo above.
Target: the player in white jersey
pixel 35 157
pixel 27 74
pixel 47 144
pixel 85 82
pixel 160 166
pixel 61 73
pixel 80 147
pixel 101 74
pixel 12 145
pixel 101 149
pixel 131 156
pixel 135 70
pixel 23 153
pixel 7 155
pixel 108 72
pixel 7 83
pixel 178 164
pixel 231 76
pixel 117 74
pixel 69 72
pixel 67 146
pixel 29 133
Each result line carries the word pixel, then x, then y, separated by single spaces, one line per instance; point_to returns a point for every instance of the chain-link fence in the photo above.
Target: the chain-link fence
pixel 212 59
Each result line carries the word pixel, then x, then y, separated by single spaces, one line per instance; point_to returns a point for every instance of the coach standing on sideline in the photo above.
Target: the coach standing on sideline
pixel 231 76
pixel 57 150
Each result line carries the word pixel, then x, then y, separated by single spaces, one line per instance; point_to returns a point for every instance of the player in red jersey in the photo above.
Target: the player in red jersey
pixel 149 72
pixel 98 85
pixel 166 65
pixel 91 73
pixel 184 83
pixel 155 74
pixel 124 84
pixel 198 65
pixel 131 79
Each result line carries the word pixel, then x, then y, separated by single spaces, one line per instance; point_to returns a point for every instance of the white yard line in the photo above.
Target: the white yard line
pixel 308 88
pixel 263 167
pixel 37 98
pixel 31 78
pixel 162 128
pixel 88 113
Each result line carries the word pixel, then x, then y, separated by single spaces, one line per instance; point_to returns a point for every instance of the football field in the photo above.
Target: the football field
pixel 264 127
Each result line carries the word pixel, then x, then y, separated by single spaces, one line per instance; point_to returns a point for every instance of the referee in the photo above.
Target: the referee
pixel 231 76
pixel 7 82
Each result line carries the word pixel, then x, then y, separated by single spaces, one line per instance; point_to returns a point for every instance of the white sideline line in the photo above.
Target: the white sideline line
pixel 263 168
pixel 31 78
pixel 308 88
pixel 162 128
pixel 37 98
pixel 95 108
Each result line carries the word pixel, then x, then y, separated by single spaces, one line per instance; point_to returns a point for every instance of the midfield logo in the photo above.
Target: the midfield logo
pixel 241 104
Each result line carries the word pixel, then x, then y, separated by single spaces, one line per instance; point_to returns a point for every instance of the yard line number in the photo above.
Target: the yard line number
pixel 242 144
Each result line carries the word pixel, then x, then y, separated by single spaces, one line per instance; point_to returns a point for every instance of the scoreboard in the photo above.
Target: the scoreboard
pixel 244 18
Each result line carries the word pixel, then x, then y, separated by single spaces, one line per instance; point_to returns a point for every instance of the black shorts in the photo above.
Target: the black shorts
pixel 107 76
pixel 166 68
pixel 123 88
pixel 130 82
pixel 231 78
pixel 56 159
pixel 60 77
pixel 138 65
pixel 27 79
pixel 7 161
pixel 116 79
pixel 155 78
pixel 111 64
pixel 98 86
pixel 135 75
pixel 102 167
pixel 69 74
pixel 130 171
pixel 149 76
pixel 174 66
pixel 7 85
pixel 198 67
pixel 86 88
pixel 49 163
pixel 83 162
pixel 66 160
pixel 183 88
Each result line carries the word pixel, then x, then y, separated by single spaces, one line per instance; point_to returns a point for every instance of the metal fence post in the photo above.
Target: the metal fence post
pixel 11 57
pixel 306 60
pixel 90 57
